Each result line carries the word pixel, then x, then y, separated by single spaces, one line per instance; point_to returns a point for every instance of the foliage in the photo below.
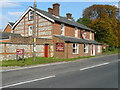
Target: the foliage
pixel 100 11
pixel 85 21
pixel 110 50
pixel 102 19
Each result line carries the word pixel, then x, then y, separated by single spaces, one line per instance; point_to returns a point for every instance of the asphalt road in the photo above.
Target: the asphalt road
pixel 99 72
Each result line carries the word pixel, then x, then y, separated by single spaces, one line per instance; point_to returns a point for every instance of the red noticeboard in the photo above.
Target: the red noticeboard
pixel 59 46
pixel 19 51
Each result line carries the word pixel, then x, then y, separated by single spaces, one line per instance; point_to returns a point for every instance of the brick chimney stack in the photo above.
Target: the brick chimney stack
pixel 69 15
pixel 50 10
pixel 56 9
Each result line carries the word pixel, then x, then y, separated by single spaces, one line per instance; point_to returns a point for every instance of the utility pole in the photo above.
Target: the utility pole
pixel 34 31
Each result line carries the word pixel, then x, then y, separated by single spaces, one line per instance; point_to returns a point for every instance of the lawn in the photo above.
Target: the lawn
pixel 39 60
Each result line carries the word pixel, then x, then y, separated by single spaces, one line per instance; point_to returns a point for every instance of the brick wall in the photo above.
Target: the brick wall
pixel 59 54
pixel 8 28
pixel 80 51
pixel 70 31
pixel 68 50
pixel 8 49
pixel 43 27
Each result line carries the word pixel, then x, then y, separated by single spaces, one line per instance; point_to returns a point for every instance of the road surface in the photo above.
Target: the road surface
pixel 99 72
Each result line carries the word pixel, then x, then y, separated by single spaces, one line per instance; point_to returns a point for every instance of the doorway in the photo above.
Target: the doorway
pixel 46 50
pixel 92 50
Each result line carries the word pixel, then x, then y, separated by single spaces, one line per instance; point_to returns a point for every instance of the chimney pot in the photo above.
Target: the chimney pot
pixel 69 15
pixel 50 10
pixel 56 9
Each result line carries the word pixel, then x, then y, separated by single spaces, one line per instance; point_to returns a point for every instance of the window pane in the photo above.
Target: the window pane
pixel 30 30
pixel 75 48
pixel 30 15
pixel 73 45
pixel 62 29
pixel 31 12
pixel 85 48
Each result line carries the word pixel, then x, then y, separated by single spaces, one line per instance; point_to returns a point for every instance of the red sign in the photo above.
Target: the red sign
pixel 104 46
pixel 19 51
pixel 59 46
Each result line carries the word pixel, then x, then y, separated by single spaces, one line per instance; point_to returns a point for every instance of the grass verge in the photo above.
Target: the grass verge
pixel 42 60
pixel 39 60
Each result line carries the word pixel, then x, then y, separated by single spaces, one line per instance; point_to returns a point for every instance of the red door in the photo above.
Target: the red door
pixel 92 49
pixel 46 51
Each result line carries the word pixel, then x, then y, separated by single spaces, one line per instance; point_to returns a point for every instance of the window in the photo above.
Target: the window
pixel 90 35
pixel 85 48
pixel 76 32
pixel 30 15
pixel 62 29
pixel 75 48
pixel 98 48
pixel 30 30
pixel 12 31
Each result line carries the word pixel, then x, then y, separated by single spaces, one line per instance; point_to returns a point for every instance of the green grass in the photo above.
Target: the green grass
pixel 39 60
pixel 42 60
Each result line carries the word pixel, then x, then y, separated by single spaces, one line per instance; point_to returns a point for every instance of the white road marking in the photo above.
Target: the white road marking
pixel 94 66
pixel 28 81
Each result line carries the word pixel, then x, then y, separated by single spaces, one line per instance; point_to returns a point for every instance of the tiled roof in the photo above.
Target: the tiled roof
pixel 68 39
pixel 5 35
pixel 63 20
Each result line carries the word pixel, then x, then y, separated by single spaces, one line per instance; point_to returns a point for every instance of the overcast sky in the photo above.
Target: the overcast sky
pixel 11 10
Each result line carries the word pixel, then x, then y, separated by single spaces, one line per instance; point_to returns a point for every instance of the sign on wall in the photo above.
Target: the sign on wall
pixel 59 46
pixel 84 35
pixel 19 51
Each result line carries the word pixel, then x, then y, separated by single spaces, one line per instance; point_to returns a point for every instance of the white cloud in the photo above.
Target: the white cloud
pixel 3 21
pixel 15 13
pixel 11 17
pixel 116 5
pixel 8 4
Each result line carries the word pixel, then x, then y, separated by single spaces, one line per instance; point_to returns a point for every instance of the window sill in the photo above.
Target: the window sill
pixel 75 53
pixel 86 52
pixel 30 20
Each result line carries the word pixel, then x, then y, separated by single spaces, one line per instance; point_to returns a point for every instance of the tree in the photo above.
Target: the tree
pixel 100 11
pixel 85 21
pixel 103 19
pixel 104 31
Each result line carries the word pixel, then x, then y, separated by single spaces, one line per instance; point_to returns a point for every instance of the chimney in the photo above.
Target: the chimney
pixel 69 15
pixel 56 9
pixel 50 10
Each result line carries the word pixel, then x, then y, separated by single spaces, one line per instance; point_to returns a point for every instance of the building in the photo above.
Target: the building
pixel 8 27
pixel 57 36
